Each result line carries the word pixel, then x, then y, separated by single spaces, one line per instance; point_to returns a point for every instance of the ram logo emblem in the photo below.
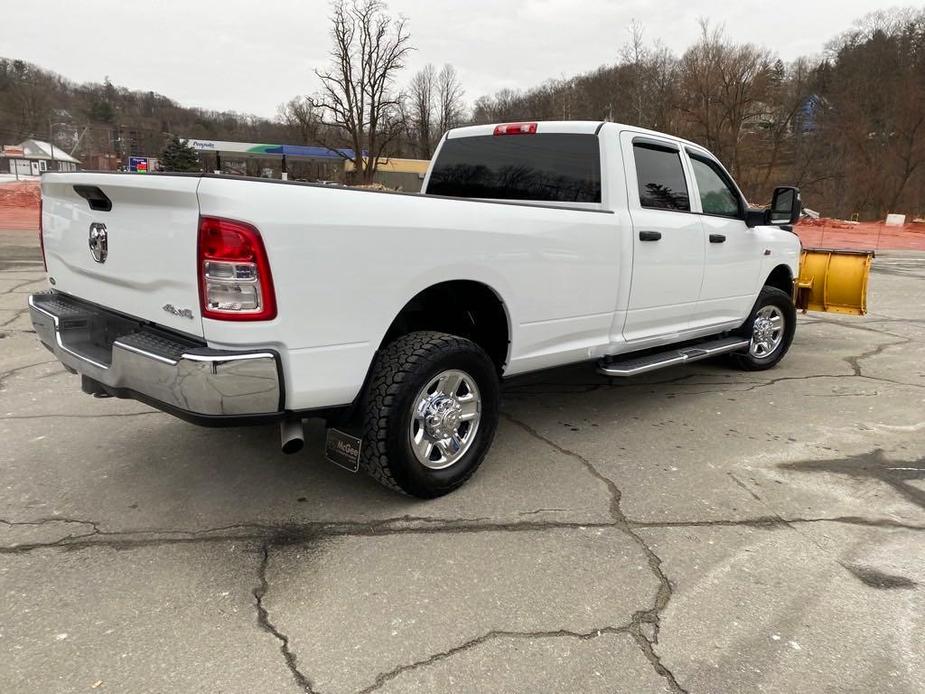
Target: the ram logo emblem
pixel 99 242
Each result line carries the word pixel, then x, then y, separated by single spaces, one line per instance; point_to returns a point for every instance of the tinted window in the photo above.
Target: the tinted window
pixel 661 178
pixel 550 167
pixel 716 193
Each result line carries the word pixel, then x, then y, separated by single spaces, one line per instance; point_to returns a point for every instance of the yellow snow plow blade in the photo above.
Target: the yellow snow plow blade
pixel 833 281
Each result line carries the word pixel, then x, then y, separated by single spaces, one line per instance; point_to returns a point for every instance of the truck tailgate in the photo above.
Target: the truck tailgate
pixel 149 267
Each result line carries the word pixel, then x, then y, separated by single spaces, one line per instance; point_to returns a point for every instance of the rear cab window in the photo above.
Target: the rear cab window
pixel 660 178
pixel 539 167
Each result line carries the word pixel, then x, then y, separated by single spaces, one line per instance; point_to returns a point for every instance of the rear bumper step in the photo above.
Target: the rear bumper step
pixel 633 366
pixel 128 358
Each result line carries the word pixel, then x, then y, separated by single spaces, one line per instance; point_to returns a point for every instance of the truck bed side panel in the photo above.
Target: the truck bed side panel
pixel 345 262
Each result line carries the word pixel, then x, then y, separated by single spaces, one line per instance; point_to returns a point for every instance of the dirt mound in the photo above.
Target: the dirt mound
pixel 838 233
pixel 21 194
pixel 19 205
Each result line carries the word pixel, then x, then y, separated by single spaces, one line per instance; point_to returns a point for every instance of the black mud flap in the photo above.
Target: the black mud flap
pixel 343 449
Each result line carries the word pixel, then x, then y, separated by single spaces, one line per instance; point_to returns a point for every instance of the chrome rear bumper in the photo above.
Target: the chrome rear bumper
pixel 127 358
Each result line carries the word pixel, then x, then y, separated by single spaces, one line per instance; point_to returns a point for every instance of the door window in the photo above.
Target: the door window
pixel 717 195
pixel 661 178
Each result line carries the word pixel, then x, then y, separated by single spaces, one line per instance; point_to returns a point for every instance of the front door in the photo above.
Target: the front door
pixel 668 241
pixel 734 252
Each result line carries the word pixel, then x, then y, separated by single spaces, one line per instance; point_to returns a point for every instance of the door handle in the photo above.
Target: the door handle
pixel 717 238
pixel 650 235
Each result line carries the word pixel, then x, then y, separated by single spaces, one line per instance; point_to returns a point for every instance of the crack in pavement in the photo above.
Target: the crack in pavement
pixel 774 521
pixel 78 416
pixel 94 528
pixel 12 290
pixel 652 615
pixel 263 621
pixel 855 361
pixel 11 372
pixel 280 535
pixel 16 316
pixel 386 677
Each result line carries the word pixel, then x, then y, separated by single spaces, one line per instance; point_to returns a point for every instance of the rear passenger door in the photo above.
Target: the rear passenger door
pixel 734 252
pixel 668 240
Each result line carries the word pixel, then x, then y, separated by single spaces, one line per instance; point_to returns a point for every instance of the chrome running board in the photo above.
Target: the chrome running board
pixel 633 366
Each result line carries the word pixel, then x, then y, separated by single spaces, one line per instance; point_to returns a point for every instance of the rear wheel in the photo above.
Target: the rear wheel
pixel 430 413
pixel 771 327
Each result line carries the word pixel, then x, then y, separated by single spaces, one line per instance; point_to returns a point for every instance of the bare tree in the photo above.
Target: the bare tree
pixel 357 89
pixel 421 111
pixel 433 104
pixel 635 56
pixel 449 99
pixel 301 115
pixel 723 87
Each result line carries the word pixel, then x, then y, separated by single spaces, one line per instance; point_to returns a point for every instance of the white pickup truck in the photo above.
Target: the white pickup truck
pixel 228 300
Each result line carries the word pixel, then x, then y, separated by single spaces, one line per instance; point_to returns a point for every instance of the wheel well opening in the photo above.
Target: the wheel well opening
pixel 459 307
pixel 782 278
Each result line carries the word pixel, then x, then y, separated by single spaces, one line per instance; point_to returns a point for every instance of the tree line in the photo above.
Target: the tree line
pixel 847 126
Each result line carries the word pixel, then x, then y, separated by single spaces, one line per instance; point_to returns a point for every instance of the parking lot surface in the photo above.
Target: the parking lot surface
pixel 700 529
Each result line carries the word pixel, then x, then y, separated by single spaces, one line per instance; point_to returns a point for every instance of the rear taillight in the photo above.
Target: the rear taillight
pixel 42 237
pixel 516 129
pixel 234 273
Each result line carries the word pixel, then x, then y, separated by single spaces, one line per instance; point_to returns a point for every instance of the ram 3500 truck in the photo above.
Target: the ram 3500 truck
pixel 228 300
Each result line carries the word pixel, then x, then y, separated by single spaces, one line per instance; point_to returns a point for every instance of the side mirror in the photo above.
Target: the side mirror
pixel 785 206
pixel 785 209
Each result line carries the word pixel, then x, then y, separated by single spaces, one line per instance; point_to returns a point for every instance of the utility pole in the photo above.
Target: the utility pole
pixel 51 142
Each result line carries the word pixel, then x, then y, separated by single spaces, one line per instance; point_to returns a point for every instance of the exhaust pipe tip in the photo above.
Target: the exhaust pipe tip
pixel 292 438
pixel 292 446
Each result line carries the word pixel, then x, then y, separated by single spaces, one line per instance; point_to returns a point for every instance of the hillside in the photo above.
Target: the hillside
pixel 105 118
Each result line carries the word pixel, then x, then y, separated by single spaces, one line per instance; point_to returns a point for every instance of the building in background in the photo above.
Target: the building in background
pixel 32 157
pixel 399 174
pixel 102 161
pixel 293 162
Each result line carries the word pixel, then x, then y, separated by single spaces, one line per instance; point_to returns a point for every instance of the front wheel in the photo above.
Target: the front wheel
pixel 430 413
pixel 771 327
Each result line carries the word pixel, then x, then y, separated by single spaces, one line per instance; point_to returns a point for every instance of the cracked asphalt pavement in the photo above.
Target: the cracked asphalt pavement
pixel 697 530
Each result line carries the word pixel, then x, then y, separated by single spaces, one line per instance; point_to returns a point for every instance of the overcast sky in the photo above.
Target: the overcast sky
pixel 250 56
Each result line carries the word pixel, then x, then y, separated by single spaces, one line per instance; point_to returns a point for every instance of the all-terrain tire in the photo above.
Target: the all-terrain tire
pixel 777 302
pixel 400 370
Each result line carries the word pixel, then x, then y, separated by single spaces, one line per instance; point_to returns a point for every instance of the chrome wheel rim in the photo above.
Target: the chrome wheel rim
pixel 445 419
pixel 767 332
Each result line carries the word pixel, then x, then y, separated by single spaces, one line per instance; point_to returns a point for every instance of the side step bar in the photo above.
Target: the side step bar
pixel 633 366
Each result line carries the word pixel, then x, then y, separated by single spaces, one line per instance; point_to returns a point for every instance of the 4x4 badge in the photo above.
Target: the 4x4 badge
pixel 178 312
pixel 99 242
